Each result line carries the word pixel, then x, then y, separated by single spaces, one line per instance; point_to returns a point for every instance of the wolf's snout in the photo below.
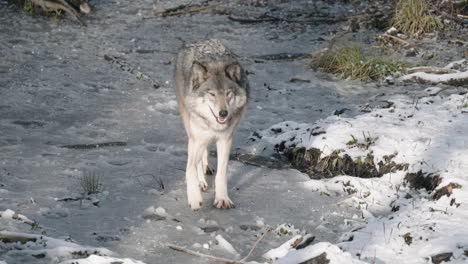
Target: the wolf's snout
pixel 223 113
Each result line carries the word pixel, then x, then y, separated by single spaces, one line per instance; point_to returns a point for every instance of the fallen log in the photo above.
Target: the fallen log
pixel 95 145
pixel 456 79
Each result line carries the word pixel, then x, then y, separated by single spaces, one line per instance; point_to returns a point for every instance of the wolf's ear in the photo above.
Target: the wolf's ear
pixel 233 71
pixel 199 74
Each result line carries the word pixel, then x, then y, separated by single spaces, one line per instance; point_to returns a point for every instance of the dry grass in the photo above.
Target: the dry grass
pixel 412 17
pixel 352 63
pixel 90 183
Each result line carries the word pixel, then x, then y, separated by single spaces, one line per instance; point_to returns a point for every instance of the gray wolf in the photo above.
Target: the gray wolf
pixel 212 93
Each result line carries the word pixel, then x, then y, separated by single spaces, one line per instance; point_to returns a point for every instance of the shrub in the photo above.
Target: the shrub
pixel 351 62
pixel 412 17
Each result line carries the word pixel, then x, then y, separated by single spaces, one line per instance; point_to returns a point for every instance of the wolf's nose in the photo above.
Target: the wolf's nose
pixel 223 113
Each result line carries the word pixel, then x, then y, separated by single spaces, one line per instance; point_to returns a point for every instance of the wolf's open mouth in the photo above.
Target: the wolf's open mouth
pixel 220 120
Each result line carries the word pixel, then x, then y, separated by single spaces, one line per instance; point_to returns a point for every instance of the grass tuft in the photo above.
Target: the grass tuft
pixel 352 63
pixel 90 183
pixel 412 17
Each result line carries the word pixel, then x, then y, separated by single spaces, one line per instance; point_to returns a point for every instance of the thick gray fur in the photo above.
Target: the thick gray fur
pixel 212 92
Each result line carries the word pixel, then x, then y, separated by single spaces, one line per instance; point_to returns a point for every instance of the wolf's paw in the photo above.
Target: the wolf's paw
pixel 223 203
pixel 194 199
pixel 195 205
pixel 203 185
pixel 209 170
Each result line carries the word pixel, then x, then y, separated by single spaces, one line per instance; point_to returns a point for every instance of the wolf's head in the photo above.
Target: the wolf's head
pixel 221 91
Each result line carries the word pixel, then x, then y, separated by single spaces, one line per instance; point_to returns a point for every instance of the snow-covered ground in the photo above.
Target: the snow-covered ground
pixel 430 134
pixel 61 84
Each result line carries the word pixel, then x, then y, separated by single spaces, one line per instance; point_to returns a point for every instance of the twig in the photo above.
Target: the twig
pixel 183 9
pixel 460 41
pixel 430 70
pixel 197 254
pixel 268 18
pixel 255 245
pixel 407 43
pixel 454 18
pixel 438 92
pixel 217 259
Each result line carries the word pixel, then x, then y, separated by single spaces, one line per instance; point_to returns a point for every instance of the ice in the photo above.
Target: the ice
pixel 57 88
pixel 223 243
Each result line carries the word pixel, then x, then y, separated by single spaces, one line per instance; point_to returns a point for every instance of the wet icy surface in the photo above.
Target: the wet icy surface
pixel 57 88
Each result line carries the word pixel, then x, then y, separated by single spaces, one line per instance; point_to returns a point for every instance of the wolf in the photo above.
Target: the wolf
pixel 212 92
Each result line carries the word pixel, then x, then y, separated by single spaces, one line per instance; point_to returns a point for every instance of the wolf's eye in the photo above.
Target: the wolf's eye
pixel 211 94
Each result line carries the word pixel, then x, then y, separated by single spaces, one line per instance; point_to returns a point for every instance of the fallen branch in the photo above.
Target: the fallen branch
pixel 185 9
pixel 268 18
pixel 459 20
pixel 218 259
pixel 430 70
pixel 122 64
pixel 244 259
pixel 8 213
pixel 282 56
pixel 49 6
pixel 197 254
pixel 456 79
pixel 459 41
pixel 405 42
pixel 14 238
pixel 96 145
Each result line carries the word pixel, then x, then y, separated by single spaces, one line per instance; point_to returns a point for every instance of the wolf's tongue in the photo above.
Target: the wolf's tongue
pixel 221 119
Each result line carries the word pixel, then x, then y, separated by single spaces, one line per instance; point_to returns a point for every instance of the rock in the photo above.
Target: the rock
pixel 320 259
pixel 446 190
pixel 408 238
pixel 411 53
pixel 442 257
pixel 419 180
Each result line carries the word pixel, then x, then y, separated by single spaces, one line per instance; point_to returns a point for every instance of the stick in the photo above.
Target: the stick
pixel 183 9
pixel 268 18
pixel 430 70
pixel 407 43
pixel 255 245
pixel 197 254
pixel 460 41
pixel 217 259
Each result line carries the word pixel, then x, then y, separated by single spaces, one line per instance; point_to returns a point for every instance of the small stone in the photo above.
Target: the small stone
pixel 411 53
pixel 442 257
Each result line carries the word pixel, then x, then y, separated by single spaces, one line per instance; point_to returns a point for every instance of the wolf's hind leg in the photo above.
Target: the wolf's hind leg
pixel 206 165
pixel 201 176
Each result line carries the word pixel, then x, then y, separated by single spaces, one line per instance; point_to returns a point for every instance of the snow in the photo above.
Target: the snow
pixel 223 243
pixel 429 134
pixel 460 75
pixel 282 250
pixel 94 259
pixel 334 254
pixel 52 249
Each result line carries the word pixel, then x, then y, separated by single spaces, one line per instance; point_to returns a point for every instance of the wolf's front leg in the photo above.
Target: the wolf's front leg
pixel 221 197
pixel 195 151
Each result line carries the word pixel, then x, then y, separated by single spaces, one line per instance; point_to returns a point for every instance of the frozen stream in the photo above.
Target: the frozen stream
pixel 57 88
